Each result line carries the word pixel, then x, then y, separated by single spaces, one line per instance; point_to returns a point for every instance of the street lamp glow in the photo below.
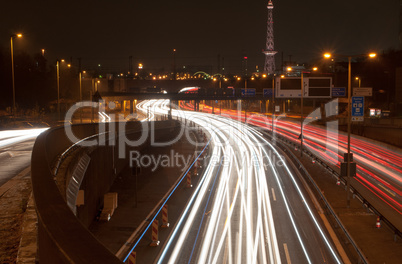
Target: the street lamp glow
pixel 12 67
pixel 264 76
pixel 289 68
pixel 315 69
pixel 348 159
pixel 69 65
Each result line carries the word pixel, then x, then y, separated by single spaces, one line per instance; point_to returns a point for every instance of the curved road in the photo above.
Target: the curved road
pixel 249 207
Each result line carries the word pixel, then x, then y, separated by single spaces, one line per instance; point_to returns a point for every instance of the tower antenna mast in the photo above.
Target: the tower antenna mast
pixel 269 51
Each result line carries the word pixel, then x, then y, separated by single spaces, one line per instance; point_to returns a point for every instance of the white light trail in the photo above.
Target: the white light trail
pixel 240 227
pixel 10 137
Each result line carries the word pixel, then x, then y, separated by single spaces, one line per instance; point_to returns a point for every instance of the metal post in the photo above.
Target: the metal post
pixel 349 128
pixel 58 88
pixel 273 104
pixel 80 76
pixel 301 115
pixel 12 72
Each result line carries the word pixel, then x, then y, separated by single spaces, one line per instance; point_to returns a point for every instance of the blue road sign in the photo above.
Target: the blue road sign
pixel 357 108
pixel 248 92
pixel 267 92
pixel 338 91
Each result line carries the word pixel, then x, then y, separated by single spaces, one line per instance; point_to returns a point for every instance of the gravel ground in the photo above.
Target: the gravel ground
pixel 14 197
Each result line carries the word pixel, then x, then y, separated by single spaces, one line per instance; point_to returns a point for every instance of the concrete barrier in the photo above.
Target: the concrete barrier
pixel 62 237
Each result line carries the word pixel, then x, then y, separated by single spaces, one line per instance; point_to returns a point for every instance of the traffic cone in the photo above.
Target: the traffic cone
pixel 155 242
pixel 378 223
pixel 189 185
pixel 165 222
pixel 338 182
pixel 313 161
pixel 132 258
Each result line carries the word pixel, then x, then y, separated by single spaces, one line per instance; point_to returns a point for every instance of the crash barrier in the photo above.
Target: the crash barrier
pixel 62 238
pixel 283 143
pixel 128 248
pixel 355 192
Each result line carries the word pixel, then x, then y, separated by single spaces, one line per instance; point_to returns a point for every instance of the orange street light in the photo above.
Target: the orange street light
pixel 327 56
pixel 12 66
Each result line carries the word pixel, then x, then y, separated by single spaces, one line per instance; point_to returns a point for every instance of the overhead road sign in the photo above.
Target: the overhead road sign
pixel 267 92
pixel 313 87
pixel 338 91
pixel 247 92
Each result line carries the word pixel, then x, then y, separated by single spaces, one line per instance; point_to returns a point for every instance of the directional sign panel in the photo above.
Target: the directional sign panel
pixel 362 91
pixel 267 92
pixel 357 108
pixel 338 91
pixel 248 92
pixel 313 87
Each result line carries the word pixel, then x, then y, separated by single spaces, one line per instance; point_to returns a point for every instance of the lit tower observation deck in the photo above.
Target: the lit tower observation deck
pixel 269 51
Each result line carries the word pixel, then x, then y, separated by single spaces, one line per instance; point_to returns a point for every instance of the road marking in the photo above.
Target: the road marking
pixel 273 194
pixel 285 246
pixel 335 239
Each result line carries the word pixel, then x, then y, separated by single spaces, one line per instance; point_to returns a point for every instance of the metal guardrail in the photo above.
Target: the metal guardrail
pixel 369 206
pixel 57 245
pixel 305 173
pixel 135 238
pixel 356 193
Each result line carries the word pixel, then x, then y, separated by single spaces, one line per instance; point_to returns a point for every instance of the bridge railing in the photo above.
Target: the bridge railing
pixel 62 238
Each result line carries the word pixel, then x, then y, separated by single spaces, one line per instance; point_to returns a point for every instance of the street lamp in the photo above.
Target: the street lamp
pixel 12 66
pixel 359 81
pixel 174 64
pixel 327 56
pixel 58 84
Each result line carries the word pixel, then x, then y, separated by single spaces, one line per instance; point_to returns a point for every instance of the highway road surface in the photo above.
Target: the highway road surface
pixel 379 168
pixel 250 206
pixel 15 151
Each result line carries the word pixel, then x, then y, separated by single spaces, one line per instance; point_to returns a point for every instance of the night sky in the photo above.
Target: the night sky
pixel 108 32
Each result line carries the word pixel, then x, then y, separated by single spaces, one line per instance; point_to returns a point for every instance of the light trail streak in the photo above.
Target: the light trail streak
pixel 10 137
pixel 240 228
pixel 375 163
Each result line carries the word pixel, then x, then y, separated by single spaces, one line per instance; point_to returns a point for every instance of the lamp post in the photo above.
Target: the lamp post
pixel 327 56
pixel 80 77
pixel 58 84
pixel 58 87
pixel 12 66
pixel 273 104
pixel 174 64
pixel 359 81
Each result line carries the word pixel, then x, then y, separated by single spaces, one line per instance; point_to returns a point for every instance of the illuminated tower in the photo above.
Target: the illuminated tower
pixel 269 51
